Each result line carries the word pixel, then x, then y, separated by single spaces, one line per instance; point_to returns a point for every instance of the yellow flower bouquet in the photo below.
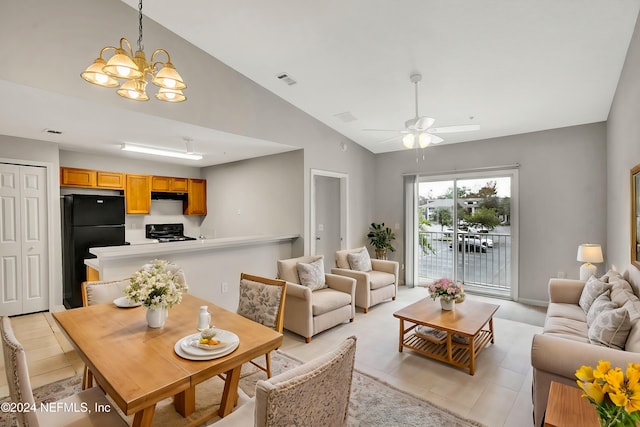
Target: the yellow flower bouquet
pixel 615 395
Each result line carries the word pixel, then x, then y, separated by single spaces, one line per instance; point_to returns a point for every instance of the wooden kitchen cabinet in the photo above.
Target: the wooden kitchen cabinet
pixel 196 203
pixel 111 180
pixel 137 194
pixel 74 177
pixel 169 184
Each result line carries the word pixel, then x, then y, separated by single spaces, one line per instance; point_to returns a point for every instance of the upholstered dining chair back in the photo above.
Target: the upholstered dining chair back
pixel 314 394
pixel 15 365
pixel 262 300
pixel 99 292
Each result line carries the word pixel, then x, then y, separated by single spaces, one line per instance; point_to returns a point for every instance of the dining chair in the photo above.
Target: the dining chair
pixel 99 292
pixel 262 300
pixel 314 394
pixel 15 364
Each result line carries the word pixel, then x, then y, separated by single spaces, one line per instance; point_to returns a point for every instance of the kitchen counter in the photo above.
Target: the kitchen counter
pixel 212 267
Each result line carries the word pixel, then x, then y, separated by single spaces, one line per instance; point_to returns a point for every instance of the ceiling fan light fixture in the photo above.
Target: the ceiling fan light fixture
pixel 408 140
pixel 424 140
pixel 424 123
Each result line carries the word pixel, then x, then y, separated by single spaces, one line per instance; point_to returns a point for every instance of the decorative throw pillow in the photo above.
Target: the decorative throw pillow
pixel 592 290
pixel 312 274
pixel 611 328
pixel 621 291
pixel 359 261
pixel 602 303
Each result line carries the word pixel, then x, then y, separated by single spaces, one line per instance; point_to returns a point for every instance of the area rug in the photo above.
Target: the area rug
pixel 372 403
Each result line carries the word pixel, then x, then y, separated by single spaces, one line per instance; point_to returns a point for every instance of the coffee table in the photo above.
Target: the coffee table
pixel 467 321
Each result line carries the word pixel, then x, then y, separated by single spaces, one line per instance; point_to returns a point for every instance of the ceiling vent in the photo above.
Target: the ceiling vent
pixel 346 117
pixel 284 77
pixel 53 131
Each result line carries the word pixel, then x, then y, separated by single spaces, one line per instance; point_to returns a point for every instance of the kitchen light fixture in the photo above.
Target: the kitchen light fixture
pixel 160 152
pixel 135 70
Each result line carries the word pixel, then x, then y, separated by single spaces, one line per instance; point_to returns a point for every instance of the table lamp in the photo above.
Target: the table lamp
pixel 588 253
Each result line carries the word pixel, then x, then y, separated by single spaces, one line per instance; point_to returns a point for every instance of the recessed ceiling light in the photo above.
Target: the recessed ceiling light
pixel 159 152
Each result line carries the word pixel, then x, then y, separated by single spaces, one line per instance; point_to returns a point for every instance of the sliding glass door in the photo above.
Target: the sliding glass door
pixel 466 230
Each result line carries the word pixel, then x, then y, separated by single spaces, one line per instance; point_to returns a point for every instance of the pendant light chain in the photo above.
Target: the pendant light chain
pixel 140 44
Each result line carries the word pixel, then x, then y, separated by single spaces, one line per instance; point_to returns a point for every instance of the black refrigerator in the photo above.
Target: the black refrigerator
pixel 88 221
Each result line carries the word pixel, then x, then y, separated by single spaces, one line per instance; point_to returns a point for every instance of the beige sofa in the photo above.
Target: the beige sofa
pixel 565 344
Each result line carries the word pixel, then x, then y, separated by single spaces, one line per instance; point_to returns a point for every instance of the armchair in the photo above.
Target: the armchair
pixel 372 286
pixel 308 311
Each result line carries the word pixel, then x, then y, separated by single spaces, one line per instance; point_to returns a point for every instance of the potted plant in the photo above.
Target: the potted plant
pixel 380 237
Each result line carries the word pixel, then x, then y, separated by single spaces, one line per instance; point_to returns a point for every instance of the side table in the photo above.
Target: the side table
pixel 567 408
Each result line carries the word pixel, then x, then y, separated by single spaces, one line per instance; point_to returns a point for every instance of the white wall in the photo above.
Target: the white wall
pixel 257 196
pixel 623 153
pixel 562 194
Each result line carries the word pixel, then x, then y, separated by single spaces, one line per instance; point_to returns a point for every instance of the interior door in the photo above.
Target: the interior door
pixel 24 267
pixel 328 235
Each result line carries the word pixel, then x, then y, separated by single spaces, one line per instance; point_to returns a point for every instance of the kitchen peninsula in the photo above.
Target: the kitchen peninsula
pixel 212 267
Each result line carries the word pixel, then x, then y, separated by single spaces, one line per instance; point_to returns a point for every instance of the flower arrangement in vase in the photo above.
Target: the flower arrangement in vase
pixel 615 395
pixel 448 291
pixel 158 286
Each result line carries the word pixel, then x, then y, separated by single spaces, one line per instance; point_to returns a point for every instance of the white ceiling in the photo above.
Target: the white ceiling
pixel 511 66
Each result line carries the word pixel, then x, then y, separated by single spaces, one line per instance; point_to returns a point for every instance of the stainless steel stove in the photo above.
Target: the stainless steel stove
pixel 166 233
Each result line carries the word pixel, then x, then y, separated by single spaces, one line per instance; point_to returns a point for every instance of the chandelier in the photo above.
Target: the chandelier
pixel 136 71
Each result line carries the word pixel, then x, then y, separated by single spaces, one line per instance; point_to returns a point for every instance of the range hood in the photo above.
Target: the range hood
pixel 161 195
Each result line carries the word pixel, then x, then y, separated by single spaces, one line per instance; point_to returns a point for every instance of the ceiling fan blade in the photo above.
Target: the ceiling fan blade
pixel 382 130
pixel 388 140
pixel 436 139
pixel 451 129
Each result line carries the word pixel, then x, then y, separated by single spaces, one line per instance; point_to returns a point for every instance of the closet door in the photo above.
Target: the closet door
pixel 24 284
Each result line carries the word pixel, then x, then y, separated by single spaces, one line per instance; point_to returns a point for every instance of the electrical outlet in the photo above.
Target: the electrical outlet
pixel 562 275
pixel 225 287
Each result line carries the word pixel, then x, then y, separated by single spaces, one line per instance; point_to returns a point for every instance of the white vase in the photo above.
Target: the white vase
pixel 447 304
pixel 156 317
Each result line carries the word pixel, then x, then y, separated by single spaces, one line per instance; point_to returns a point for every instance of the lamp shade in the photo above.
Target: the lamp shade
pixel 589 252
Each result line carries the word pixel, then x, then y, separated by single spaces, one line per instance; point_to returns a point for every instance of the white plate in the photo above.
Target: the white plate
pixel 124 302
pixel 187 351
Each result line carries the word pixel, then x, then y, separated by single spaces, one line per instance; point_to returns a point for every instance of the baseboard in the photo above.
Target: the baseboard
pixel 533 302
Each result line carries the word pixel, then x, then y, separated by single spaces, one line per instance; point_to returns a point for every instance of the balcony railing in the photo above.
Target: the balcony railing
pixel 483 260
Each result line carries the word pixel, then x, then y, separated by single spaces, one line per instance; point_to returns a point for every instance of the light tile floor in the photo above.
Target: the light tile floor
pixel 499 394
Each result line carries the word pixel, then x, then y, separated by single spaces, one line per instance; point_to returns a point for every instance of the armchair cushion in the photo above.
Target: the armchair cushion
pixel 312 274
pixel 380 279
pixel 326 300
pixel 359 261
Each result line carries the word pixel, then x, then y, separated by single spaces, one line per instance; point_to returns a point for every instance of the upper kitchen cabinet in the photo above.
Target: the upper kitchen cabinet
pixel 196 203
pixel 138 194
pixel 73 177
pixel 87 178
pixel 169 184
pixel 111 180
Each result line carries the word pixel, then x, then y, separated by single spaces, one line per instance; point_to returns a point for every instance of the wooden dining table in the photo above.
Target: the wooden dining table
pixel 137 365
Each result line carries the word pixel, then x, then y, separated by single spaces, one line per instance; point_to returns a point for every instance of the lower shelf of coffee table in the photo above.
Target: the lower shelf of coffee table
pixel 460 353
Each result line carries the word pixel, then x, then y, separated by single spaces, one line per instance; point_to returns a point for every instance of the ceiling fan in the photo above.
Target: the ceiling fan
pixel 418 129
